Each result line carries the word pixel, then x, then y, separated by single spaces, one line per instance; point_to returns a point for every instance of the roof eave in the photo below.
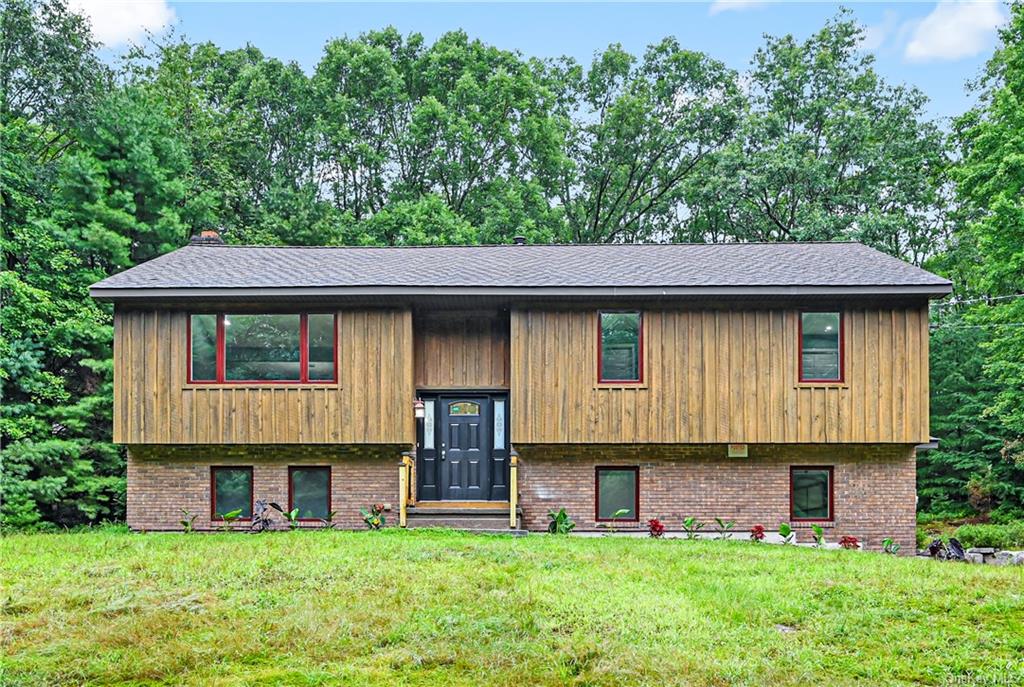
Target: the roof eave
pixel 229 293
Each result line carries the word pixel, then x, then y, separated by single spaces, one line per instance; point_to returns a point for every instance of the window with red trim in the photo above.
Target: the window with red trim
pixel 309 490
pixel 278 348
pixel 620 347
pixel 617 491
pixel 230 491
pixel 821 347
pixel 810 493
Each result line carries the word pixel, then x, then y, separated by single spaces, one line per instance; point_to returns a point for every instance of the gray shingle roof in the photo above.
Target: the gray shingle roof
pixel 671 268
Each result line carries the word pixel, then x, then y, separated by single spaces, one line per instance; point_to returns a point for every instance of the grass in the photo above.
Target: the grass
pixel 442 608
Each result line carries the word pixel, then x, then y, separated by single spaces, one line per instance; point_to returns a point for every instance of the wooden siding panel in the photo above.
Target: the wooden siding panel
pixel 715 376
pixel 372 403
pixel 464 350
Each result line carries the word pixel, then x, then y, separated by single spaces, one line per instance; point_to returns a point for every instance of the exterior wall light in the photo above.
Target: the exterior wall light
pixel 417 408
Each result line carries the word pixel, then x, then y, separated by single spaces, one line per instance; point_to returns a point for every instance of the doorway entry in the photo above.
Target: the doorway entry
pixel 462 447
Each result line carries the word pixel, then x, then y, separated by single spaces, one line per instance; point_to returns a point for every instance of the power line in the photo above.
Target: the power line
pixel 985 299
pixel 935 326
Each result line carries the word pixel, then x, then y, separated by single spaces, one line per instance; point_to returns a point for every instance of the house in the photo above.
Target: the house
pixel 487 385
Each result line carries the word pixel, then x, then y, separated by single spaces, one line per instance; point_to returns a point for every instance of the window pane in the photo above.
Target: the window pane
pixel 261 347
pixel 616 489
pixel 499 425
pixel 311 491
pixel 204 348
pixel 463 408
pixel 428 424
pixel 620 346
pixel 321 347
pixel 820 345
pixel 232 490
pixel 810 494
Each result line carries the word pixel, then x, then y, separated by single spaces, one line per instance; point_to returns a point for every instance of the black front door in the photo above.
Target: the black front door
pixel 463 458
pixel 465 450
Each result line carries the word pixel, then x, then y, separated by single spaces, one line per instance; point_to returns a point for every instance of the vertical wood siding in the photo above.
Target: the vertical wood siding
pixel 154 404
pixel 720 376
pixel 462 350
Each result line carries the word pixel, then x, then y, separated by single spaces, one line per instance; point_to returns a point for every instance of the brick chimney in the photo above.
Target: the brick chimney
pixel 207 237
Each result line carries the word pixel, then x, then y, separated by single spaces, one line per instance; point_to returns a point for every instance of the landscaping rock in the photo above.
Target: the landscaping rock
pixel 1018 558
pixel 984 550
pixel 1002 558
pixel 975 557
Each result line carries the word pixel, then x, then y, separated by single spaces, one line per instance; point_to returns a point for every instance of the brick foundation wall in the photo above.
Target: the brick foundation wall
pixel 874 490
pixel 162 480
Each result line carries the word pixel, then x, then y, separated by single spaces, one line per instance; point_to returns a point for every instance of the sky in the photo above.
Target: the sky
pixel 935 46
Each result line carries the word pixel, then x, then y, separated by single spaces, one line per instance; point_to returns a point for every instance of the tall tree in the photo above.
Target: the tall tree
pixel 460 120
pixel 115 198
pixel 637 132
pixel 990 187
pixel 966 472
pixel 828 150
pixel 49 76
pixel 249 126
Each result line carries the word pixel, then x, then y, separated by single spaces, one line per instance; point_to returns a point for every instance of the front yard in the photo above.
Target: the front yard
pixel 441 608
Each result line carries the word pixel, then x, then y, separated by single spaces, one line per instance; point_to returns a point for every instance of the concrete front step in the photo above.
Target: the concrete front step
pixel 474 518
pixel 458 522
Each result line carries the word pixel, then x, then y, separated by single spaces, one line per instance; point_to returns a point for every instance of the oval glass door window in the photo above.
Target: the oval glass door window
pixel 463 408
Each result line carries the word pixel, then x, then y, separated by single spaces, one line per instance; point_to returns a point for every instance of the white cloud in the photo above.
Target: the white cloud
pixel 955 29
pixel 733 5
pixel 877 34
pixel 115 22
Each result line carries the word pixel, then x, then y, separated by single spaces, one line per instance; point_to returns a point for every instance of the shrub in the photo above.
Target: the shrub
pixel 655 528
pixel 229 519
pixel 757 533
pixel 691 526
pixel 328 522
pixel 374 517
pixel 819 535
pixel 1009 536
pixel 292 517
pixel 849 542
pixel 786 532
pixel 560 523
pixel 980 491
pixel 724 528
pixel 891 547
pixel 616 516
pixel 188 519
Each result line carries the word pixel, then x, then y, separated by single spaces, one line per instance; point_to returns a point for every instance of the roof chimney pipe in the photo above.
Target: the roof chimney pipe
pixel 519 240
pixel 207 237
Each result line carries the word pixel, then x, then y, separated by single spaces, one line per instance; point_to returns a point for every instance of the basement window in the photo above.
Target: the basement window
pixel 821 347
pixel 619 348
pixel 275 348
pixel 231 490
pixel 810 493
pixel 618 489
pixel 309 490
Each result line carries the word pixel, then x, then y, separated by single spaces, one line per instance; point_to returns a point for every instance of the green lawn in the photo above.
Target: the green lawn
pixel 440 608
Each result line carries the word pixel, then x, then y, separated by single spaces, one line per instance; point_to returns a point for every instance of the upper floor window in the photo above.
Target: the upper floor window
pixel 821 347
pixel 274 348
pixel 620 347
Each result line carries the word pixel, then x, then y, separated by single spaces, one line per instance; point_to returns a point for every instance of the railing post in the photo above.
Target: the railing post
pixel 513 489
pixel 406 486
pixel 410 460
pixel 403 491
